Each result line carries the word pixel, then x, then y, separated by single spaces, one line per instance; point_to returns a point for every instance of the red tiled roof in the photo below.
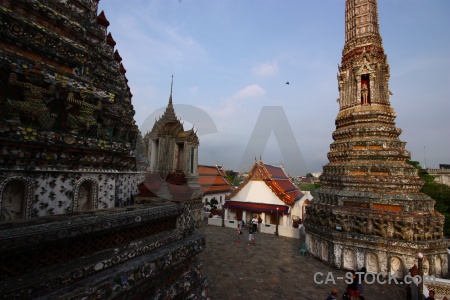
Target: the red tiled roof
pixel 275 172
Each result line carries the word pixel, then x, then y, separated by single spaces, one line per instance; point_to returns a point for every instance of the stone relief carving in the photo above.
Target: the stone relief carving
pixel 324 251
pixel 85 118
pixel 372 263
pixel 380 227
pixel 13 201
pixel 419 231
pixel 33 105
pixel 349 259
pixel 84 197
pixel 396 267
pixel 403 230
pixel 363 225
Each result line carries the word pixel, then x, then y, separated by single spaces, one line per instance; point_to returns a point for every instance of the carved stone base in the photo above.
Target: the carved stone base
pixel 352 251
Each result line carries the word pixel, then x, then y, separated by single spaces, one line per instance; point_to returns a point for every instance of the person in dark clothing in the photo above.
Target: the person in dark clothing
pixel 408 292
pixel 352 287
pixel 430 295
pixel 360 278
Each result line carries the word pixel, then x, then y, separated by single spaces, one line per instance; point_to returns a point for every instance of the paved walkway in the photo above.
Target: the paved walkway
pixel 271 269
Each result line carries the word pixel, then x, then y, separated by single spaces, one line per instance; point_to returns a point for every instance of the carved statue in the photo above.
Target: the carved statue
pixel 365 93
pixel 33 105
pixel 83 198
pixel 12 202
pixel 346 224
pixel 86 118
pixel 438 229
pixel 331 221
pixel 403 231
pixel 380 227
pixel 362 225
pixel 429 230
pixel 419 233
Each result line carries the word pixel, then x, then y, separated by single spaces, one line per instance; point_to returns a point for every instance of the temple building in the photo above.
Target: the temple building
pixel 268 193
pixel 69 227
pixel 369 211
pixel 215 184
pixel 173 156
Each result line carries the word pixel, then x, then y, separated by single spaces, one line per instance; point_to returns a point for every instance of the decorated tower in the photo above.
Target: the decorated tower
pixel 173 170
pixel 369 211
pixel 70 227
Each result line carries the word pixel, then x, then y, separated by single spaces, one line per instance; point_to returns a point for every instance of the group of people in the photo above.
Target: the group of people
pixel 354 290
pixel 252 228
pixel 431 294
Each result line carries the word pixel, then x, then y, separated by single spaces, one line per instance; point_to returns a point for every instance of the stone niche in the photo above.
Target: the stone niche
pixel 13 200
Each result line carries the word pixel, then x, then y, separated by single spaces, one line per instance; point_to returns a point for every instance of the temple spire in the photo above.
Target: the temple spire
pixel 364 72
pixel 361 24
pixel 170 98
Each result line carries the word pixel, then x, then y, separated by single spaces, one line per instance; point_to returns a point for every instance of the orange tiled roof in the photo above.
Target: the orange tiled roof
pixel 213 179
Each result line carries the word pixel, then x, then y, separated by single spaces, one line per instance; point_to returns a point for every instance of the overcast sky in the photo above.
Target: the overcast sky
pixel 231 58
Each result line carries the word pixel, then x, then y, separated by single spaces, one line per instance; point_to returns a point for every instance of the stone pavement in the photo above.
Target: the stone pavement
pixel 271 269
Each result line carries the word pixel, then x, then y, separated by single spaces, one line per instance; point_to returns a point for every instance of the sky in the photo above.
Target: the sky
pixel 230 62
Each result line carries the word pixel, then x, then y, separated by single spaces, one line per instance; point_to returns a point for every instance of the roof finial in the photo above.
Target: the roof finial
pixel 171 86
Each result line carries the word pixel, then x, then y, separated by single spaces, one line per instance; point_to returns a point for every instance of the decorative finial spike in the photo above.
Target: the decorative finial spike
pixel 171 86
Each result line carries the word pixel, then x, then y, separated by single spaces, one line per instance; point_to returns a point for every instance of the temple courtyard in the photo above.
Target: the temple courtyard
pixel 271 269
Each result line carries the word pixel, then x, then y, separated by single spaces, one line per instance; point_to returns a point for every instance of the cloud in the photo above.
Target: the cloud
pixel 266 69
pixel 251 91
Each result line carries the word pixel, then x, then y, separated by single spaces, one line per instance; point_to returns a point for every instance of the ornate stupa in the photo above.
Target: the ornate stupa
pixel 70 227
pixel 173 170
pixel 370 211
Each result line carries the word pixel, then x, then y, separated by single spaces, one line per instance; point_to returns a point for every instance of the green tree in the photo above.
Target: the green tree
pixel 439 192
pixel 231 175
pixel 307 187
pixel 213 203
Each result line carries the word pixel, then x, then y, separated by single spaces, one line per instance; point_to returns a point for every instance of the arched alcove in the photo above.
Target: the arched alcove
pixel 13 200
pixel 396 267
pixel 372 263
pixel 324 250
pixel 85 195
pixel 312 246
pixel 438 267
pixel 349 261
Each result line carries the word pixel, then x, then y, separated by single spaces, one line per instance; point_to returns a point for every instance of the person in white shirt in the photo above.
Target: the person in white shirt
pixel 255 223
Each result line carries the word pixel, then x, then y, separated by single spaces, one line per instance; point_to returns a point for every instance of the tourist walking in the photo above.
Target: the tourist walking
pixel 352 287
pixel 238 234
pixel 251 239
pixel 255 223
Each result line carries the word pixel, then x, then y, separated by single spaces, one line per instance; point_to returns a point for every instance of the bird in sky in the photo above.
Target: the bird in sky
pixel 287 82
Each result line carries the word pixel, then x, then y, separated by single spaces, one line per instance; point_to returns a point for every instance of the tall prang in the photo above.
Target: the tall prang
pixel 369 211
pixel 70 223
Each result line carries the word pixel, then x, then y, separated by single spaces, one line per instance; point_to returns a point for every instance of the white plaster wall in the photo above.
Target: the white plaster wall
pixel 257 191
pixel 263 228
pixel 217 196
